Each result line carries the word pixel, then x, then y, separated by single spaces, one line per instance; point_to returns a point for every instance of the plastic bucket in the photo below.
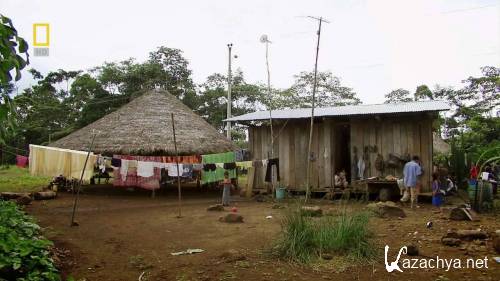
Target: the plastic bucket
pixel 280 193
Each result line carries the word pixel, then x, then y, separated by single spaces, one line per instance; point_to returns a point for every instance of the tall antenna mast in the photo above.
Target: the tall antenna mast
pixel 265 39
pixel 309 156
pixel 229 82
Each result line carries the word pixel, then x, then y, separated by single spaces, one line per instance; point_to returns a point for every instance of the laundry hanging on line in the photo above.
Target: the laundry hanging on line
pixel 21 161
pixel 218 160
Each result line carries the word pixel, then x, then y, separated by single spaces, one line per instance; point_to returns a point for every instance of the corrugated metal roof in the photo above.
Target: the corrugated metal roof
pixel 350 110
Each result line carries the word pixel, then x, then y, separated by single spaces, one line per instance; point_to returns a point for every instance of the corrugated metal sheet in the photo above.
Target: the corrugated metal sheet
pixel 351 110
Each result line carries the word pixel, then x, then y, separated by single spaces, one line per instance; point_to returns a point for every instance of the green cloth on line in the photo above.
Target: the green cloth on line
pixel 218 174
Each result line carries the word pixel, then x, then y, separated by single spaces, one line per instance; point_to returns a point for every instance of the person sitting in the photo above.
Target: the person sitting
pixel 340 180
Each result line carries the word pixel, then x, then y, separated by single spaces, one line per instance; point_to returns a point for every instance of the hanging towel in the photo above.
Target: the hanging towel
pixel 187 170
pixel 145 169
pixel 361 168
pixel 270 164
pixel 230 166
pixel 244 164
pixel 217 174
pixel 219 165
pixel 172 169
pixel 132 164
pixel 21 161
pixel 238 155
pixel 115 162
pixel 209 167
pixel 124 169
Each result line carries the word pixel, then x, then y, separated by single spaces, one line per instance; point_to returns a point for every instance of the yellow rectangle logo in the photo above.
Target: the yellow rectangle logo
pixel 41 34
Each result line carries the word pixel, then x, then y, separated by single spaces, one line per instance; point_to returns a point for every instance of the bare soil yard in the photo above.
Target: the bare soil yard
pixel 122 234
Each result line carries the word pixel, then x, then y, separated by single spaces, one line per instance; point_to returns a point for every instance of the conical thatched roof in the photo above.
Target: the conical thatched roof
pixel 144 127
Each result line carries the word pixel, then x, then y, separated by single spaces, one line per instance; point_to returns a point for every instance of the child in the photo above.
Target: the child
pixel 226 192
pixel 437 195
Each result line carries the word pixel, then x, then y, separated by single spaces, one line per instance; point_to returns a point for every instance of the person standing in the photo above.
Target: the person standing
pixel 226 192
pixel 411 172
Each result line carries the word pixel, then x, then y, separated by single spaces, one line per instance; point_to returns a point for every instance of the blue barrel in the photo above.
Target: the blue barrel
pixel 280 193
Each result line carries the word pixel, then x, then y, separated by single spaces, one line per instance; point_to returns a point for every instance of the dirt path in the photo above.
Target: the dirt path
pixel 124 234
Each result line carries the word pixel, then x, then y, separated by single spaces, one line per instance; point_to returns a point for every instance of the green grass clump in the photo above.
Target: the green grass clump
pixel 304 239
pixel 15 179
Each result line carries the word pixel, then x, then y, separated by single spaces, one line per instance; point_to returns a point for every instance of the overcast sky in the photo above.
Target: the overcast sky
pixel 374 46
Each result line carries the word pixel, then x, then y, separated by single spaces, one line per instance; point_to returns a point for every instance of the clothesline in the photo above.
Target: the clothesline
pixel 9 152
pixel 15 148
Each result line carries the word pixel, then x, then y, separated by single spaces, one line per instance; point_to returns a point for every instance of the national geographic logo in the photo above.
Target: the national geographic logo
pixel 41 39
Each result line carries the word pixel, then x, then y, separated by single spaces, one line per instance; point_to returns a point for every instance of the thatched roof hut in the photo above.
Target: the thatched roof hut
pixel 144 127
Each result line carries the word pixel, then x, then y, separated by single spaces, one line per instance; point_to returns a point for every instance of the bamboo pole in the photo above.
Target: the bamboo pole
pixel 309 148
pixel 179 202
pixel 75 203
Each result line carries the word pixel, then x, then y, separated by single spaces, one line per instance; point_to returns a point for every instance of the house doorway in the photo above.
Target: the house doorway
pixel 342 140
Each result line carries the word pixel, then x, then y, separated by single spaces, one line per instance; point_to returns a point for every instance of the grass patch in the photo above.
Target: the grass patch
pixel 15 179
pixel 305 239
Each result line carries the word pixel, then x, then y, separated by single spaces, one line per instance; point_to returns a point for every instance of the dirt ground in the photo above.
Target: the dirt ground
pixel 123 234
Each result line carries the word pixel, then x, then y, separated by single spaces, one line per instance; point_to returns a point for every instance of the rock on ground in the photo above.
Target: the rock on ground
pixel 232 256
pixel 496 241
pixel 412 250
pixel 44 195
pixel 466 234
pixel 386 210
pixel 463 214
pixel 216 207
pixel 451 241
pixel 23 200
pixel 231 218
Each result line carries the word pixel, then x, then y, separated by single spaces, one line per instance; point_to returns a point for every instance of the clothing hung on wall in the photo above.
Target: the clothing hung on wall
pixel 270 163
pixel 361 168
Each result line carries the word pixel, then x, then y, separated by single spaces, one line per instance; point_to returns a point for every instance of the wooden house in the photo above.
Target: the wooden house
pixel 341 136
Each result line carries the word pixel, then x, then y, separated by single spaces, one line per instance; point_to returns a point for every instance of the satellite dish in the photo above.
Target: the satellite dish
pixel 264 39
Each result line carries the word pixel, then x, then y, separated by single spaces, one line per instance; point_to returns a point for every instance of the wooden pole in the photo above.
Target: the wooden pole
pixel 308 172
pixel 229 102
pixel 75 203
pixel 273 188
pixel 178 172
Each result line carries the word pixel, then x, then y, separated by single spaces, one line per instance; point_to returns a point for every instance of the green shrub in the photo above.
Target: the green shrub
pixel 304 239
pixel 24 254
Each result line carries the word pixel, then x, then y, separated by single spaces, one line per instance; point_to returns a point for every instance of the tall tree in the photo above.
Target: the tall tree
pixel 423 93
pixel 398 95
pixel 212 98
pixel 329 92
pixel 175 74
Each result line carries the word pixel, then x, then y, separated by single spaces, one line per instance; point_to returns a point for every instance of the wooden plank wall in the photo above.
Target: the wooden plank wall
pixel 399 135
